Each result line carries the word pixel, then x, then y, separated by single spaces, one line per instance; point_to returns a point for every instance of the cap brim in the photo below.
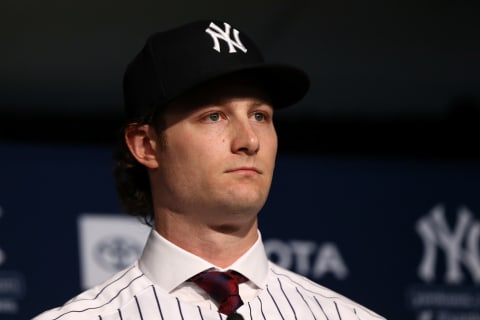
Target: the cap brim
pixel 285 85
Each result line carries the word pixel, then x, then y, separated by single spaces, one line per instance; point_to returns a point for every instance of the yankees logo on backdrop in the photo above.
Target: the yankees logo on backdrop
pixel 459 245
pixel 226 35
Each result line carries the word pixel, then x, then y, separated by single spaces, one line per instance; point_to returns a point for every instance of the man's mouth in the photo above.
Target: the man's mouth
pixel 245 170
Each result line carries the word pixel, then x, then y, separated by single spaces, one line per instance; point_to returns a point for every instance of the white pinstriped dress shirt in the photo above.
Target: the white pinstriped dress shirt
pixel 154 288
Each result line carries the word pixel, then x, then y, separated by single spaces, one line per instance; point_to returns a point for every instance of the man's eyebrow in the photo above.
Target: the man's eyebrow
pixel 261 103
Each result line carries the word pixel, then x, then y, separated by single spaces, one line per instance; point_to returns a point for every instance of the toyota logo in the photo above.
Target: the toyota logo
pixel 116 253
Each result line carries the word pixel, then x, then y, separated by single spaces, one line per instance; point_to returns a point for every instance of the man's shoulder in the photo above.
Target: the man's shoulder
pixel 294 284
pixel 108 295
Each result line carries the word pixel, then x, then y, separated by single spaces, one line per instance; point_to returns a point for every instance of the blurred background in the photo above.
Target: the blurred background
pixel 378 171
pixel 404 72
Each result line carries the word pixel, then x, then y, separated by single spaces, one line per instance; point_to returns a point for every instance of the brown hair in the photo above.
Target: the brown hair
pixel 131 177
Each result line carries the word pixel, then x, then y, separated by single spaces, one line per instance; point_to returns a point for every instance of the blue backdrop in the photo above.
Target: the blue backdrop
pixel 398 235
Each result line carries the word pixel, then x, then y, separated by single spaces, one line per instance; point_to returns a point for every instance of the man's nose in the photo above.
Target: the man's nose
pixel 245 139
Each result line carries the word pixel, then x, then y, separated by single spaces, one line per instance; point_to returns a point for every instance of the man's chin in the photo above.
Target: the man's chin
pixel 246 205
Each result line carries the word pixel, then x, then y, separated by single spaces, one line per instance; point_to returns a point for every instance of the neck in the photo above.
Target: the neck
pixel 219 244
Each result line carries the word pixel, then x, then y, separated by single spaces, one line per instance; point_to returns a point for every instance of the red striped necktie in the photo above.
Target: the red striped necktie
pixel 222 287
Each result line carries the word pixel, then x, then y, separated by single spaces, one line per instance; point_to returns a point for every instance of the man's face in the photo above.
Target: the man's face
pixel 216 156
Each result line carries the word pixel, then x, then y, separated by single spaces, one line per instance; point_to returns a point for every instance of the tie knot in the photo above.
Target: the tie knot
pixel 222 287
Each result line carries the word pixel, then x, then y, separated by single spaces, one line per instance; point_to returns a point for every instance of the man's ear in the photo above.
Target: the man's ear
pixel 142 142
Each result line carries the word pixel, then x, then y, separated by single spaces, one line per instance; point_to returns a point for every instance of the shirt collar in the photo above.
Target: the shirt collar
pixel 168 265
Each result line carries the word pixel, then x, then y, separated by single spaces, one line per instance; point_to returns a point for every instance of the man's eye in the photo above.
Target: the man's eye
pixel 259 116
pixel 214 116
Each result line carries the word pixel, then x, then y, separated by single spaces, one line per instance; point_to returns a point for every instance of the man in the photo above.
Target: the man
pixel 197 160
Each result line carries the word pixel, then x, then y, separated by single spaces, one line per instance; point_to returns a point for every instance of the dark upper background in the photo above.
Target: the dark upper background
pixel 388 77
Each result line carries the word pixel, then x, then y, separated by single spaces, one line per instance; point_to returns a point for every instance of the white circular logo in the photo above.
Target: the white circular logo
pixel 116 253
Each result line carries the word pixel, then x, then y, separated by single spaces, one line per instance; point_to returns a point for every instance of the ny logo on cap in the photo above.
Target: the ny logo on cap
pixel 216 33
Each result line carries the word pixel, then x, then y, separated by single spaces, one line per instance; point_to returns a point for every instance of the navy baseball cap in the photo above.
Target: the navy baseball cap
pixel 176 61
